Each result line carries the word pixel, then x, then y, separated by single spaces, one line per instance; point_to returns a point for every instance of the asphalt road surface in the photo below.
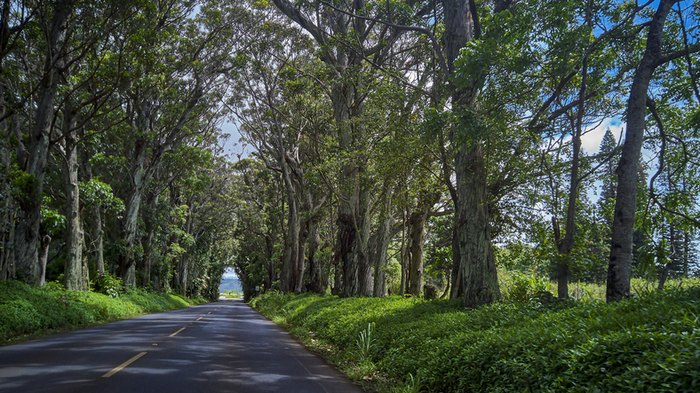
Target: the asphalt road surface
pixel 218 347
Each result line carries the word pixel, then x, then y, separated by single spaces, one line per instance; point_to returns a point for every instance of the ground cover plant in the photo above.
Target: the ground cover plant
pixel 27 311
pixel 649 343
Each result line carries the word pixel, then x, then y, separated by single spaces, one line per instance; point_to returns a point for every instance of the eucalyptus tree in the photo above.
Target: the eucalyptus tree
pixel 660 49
pixel 175 66
pixel 57 60
pixel 258 207
pixel 349 40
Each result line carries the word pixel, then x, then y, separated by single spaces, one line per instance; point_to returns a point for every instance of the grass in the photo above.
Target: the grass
pixel 649 343
pixel 232 294
pixel 27 312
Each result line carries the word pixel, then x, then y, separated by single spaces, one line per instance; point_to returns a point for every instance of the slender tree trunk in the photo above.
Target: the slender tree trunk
pixel 98 234
pixel 148 246
pixel 76 278
pixel 269 264
pixel 291 241
pixel 620 262
pixel 97 227
pixel 405 255
pixel 301 257
pixel 456 281
pixel 364 264
pixel 381 246
pixel 43 258
pixel 315 266
pixel 416 235
pixel 686 252
pixel 127 266
pixel 7 214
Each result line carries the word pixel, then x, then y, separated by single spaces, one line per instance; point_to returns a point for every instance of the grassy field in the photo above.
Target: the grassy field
pixel 27 312
pixel 232 294
pixel 650 343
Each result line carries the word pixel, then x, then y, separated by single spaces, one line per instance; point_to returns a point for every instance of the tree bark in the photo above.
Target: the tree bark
pixel 127 265
pixel 347 106
pixel 477 262
pixel 76 278
pixel 291 241
pixel 380 246
pixel 416 235
pixel 473 234
pixel 316 271
pixel 146 273
pixel 362 252
pixel 43 258
pixel 27 237
pixel 620 261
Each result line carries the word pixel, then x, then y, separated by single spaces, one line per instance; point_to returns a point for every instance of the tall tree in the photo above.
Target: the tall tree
pixel 655 55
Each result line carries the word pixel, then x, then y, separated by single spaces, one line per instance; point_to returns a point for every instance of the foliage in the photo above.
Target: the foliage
pixel 29 311
pixel 109 285
pixel 649 343
pixel 365 342
pixel 98 193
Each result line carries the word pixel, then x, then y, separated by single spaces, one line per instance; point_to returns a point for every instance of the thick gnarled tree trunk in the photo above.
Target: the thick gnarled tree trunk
pixel 472 223
pixel 27 236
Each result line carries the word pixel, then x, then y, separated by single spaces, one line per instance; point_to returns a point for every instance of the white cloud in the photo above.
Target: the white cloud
pixel 230 273
pixel 590 141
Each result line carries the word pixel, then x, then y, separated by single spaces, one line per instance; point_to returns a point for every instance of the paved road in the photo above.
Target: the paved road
pixel 218 347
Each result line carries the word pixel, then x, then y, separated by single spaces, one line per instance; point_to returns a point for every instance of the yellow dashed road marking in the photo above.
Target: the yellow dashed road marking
pixel 179 330
pixel 123 365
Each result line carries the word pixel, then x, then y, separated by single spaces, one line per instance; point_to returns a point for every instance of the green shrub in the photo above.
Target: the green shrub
pixel 109 285
pixel 28 311
pixel 651 343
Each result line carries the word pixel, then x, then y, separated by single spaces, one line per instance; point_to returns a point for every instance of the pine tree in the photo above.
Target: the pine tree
pixel 609 152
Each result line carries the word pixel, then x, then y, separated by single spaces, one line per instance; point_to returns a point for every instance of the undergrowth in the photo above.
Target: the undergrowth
pixel 27 311
pixel 650 343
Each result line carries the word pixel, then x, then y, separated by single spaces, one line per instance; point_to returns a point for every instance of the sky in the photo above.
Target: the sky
pixel 232 145
pixel 590 142
pixel 229 273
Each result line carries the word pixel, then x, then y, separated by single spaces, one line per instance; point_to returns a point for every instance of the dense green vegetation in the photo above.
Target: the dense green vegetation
pixel 27 311
pixel 471 150
pixel 650 343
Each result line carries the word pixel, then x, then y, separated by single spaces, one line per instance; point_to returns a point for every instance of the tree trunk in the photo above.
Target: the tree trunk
pixel 473 237
pixel 477 262
pixel 148 246
pixel 291 241
pixel 27 237
pixel 43 258
pixel 381 246
pixel 456 281
pixel 269 263
pixel 362 252
pixel 620 262
pixel 301 257
pixel 7 212
pixel 127 266
pixel 404 258
pixel 98 234
pixel 316 270
pixel 76 278
pixel 97 227
pixel 416 235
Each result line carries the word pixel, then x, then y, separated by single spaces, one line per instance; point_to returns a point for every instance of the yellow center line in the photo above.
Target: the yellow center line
pixel 179 330
pixel 123 365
